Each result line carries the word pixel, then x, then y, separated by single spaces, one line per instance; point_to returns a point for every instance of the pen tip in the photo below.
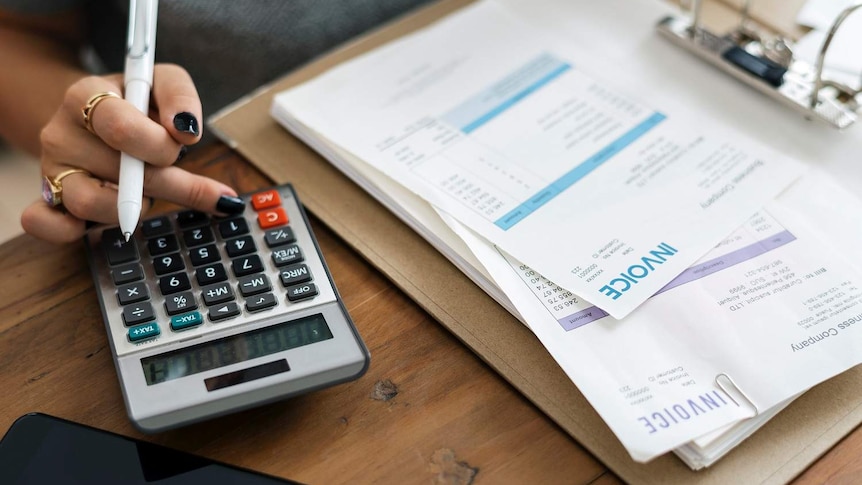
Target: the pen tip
pixel 127 235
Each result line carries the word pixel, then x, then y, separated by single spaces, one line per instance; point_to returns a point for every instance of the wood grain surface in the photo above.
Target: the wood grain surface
pixel 427 411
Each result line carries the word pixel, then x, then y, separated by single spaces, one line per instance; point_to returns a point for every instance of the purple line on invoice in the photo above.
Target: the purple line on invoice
pixel 706 268
pixel 732 258
pixel 582 317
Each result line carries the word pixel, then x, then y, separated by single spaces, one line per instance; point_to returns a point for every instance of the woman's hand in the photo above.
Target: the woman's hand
pixel 160 140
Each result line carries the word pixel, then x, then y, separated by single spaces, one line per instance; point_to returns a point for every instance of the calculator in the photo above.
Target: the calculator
pixel 206 315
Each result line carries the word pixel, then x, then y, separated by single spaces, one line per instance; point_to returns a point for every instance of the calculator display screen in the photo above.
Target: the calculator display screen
pixel 234 349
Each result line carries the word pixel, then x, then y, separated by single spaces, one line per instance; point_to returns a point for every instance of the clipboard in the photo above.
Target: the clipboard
pixel 779 451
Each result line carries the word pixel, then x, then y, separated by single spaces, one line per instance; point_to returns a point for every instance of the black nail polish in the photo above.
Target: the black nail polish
pixel 230 205
pixel 187 123
pixel 183 152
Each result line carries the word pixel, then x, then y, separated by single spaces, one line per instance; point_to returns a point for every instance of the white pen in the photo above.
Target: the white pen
pixel 138 79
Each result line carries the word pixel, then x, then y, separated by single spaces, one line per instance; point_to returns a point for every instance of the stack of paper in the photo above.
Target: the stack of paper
pixel 683 275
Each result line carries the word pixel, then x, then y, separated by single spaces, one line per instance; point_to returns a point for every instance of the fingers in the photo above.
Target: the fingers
pixel 51 224
pixel 189 190
pixel 89 199
pixel 119 124
pixel 61 224
pixel 158 137
pixel 178 104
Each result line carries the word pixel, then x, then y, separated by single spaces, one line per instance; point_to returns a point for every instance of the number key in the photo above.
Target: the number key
pixel 198 236
pixel 211 274
pixel 174 283
pixel 232 227
pixel 247 265
pixel 169 263
pixel 162 245
pixel 204 255
pixel 239 246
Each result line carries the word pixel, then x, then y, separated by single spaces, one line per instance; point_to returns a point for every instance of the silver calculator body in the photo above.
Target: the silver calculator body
pixel 191 341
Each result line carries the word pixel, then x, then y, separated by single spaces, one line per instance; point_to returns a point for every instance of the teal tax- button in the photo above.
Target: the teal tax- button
pixel 186 320
pixel 143 332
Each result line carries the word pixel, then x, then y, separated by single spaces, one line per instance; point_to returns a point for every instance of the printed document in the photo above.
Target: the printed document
pixel 773 310
pixel 609 196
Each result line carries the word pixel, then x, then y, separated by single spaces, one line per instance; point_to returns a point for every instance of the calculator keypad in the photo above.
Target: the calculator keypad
pixel 187 272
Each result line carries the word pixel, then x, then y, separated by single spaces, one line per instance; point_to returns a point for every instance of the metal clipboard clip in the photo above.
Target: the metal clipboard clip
pixel 766 63
pixel 720 382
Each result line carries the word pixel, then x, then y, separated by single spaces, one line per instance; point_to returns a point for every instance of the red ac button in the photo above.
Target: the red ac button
pixel 265 200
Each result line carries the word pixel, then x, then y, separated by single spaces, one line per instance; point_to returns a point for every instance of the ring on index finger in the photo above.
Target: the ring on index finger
pixel 89 108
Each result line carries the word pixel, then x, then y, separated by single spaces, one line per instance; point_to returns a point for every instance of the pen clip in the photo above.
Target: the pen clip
pixel 140 32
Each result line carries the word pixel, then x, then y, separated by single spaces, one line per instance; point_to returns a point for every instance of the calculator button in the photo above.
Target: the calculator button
pixel 232 227
pixel 239 246
pixel 182 322
pixel 260 302
pixel 168 263
pixel 127 273
pixel 174 283
pixel 162 245
pixel 265 200
pixel 180 303
pixel 218 293
pixel 295 274
pixel 301 292
pixel 132 293
pixel 247 265
pixel 143 332
pixel 197 236
pixel 279 237
pixel 224 311
pixel 117 249
pixel 253 284
pixel 191 218
pixel 213 273
pixel 204 255
pixel 289 255
pixel 138 313
pixel 156 226
pixel 272 218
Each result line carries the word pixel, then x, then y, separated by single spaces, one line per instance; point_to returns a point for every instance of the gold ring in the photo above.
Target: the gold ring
pixel 52 188
pixel 90 107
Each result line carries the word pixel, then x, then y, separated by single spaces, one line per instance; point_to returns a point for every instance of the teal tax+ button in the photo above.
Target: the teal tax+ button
pixel 145 331
pixel 186 320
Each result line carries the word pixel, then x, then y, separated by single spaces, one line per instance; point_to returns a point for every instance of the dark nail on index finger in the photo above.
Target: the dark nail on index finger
pixel 183 152
pixel 230 205
pixel 187 123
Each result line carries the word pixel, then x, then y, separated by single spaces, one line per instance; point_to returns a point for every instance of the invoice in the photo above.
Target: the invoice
pixel 607 195
pixel 777 306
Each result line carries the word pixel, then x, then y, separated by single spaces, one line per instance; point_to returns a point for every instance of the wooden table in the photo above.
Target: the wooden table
pixel 427 410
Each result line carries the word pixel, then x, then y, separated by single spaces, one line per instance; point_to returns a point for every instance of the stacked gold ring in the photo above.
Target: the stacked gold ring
pixel 90 107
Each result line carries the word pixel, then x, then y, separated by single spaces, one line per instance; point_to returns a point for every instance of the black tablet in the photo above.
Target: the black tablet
pixel 44 449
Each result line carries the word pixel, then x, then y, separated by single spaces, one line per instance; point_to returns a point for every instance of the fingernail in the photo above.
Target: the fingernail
pixel 186 123
pixel 230 205
pixel 183 152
